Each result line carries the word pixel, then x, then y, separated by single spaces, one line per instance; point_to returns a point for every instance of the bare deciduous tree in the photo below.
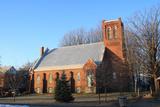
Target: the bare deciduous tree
pixel 12 83
pixel 81 36
pixel 144 27
pixel 132 59
pixel 0 61
pixel 94 35
pixel 74 37
pixel 24 74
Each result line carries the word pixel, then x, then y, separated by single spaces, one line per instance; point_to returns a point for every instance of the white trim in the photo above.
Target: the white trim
pixel 59 67
pixel 111 20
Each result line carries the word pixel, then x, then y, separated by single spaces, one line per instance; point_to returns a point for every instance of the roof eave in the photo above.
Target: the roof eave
pixel 65 67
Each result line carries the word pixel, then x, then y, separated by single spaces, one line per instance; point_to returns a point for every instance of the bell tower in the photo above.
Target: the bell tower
pixel 113 36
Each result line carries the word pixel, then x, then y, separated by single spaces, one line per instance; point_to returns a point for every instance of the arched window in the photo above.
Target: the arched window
pixel 50 78
pixel 90 78
pixel 71 74
pixel 109 33
pixel 78 76
pixel 38 79
pixel 72 82
pixel 57 76
pixel 115 33
pixel 114 75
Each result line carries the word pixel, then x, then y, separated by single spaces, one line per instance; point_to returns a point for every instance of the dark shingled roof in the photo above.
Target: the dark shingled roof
pixel 71 55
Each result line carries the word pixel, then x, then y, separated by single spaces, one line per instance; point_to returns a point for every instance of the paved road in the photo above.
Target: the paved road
pixel 142 103
pixel 83 98
pixel 93 104
pixel 48 100
pixel 80 101
pixel 145 103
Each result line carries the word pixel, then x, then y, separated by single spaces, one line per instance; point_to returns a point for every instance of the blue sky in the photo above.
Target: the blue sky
pixel 26 25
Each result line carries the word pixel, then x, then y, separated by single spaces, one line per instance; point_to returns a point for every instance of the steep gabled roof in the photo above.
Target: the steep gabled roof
pixel 69 56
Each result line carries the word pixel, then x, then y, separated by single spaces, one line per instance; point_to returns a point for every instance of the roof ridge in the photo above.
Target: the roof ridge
pixel 79 45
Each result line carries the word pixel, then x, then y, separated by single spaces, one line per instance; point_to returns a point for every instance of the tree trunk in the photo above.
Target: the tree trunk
pixel 151 92
pixel 155 83
pixel 138 92
pixel 105 94
pixel 135 86
pixel 99 96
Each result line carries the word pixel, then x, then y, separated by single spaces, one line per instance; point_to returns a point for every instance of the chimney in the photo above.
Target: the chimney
pixel 42 51
pixel 119 18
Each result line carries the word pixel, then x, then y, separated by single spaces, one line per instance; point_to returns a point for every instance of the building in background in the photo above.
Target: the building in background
pixel 6 72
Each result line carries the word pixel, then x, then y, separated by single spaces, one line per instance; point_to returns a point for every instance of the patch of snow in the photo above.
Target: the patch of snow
pixel 4 105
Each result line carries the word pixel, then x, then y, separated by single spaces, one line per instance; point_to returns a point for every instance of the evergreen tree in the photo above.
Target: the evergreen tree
pixel 63 90
pixel 57 89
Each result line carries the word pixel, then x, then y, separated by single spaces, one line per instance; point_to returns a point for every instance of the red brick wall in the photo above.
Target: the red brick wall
pixel 114 57
pixel 114 45
pixel 1 80
pixel 82 83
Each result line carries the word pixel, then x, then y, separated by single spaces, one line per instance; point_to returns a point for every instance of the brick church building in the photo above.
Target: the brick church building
pixel 87 66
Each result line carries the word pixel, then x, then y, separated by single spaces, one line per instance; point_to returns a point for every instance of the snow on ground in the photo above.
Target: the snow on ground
pixel 4 105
